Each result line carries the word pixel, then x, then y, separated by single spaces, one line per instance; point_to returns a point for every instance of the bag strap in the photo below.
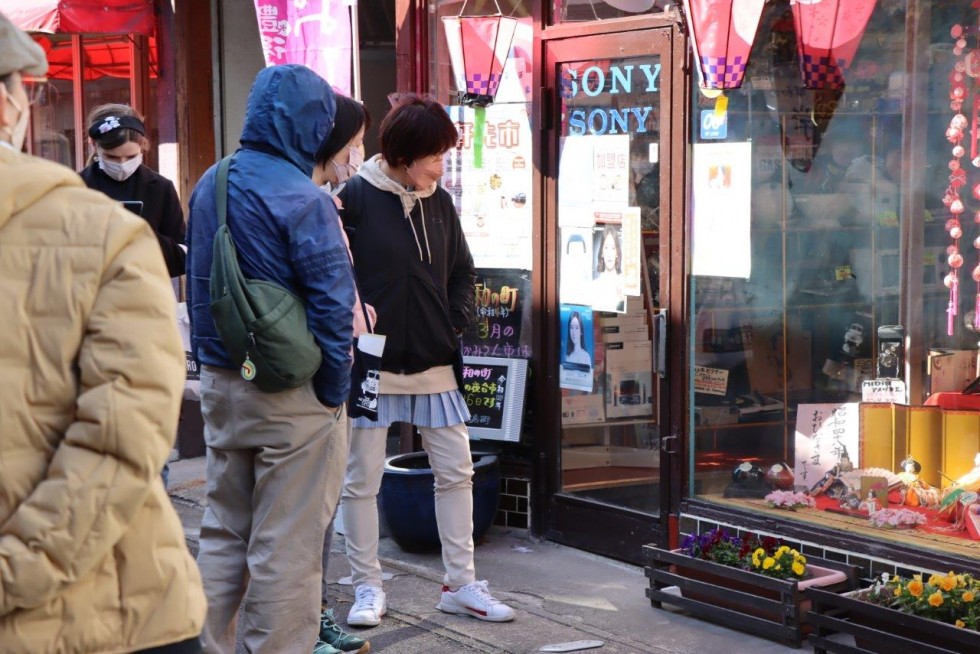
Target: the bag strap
pixel 353 206
pixel 221 189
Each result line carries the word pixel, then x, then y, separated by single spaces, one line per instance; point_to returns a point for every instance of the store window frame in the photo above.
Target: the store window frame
pixel 913 198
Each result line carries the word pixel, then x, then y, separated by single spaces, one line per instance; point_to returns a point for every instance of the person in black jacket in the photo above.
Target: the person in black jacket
pixel 413 265
pixel 118 136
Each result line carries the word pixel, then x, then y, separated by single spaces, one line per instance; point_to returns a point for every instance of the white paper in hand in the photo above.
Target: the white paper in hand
pixel 373 344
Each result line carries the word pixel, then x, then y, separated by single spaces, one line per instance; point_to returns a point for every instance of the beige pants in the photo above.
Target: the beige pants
pixel 452 465
pixel 275 464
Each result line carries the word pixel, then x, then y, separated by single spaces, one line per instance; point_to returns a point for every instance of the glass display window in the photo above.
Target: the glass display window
pixel 822 239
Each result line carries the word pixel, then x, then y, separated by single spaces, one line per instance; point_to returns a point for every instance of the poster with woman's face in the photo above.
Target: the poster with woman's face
pixel 608 293
pixel 577 347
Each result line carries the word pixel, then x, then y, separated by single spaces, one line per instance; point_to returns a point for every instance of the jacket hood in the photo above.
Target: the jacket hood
pixel 25 179
pixel 373 175
pixel 290 111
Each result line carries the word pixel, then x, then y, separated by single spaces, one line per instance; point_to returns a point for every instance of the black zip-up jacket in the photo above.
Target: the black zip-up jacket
pixel 161 207
pixel 421 309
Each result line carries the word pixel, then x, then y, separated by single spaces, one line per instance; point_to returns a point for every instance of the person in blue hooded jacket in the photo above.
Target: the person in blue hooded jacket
pixel 275 461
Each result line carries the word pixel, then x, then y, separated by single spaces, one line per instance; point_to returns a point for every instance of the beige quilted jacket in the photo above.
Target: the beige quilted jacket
pixel 92 555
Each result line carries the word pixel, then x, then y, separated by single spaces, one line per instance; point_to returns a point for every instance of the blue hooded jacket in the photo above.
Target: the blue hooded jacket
pixel 285 228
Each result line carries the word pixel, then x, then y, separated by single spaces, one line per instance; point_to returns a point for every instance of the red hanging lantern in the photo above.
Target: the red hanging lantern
pixel 828 33
pixel 722 32
pixel 478 49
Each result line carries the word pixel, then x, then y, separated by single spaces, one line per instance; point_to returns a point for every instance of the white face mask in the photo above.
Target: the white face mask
pixel 349 169
pixel 120 171
pixel 19 132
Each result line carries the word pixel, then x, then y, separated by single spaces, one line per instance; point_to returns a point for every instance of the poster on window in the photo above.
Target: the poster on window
pixel 575 180
pixel 608 281
pixel 575 272
pixel 826 436
pixel 611 169
pixel 489 176
pixel 721 212
pixel 631 256
pixel 576 348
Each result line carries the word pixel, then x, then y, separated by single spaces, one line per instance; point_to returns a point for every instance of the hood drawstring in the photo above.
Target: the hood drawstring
pixel 425 233
pixel 373 175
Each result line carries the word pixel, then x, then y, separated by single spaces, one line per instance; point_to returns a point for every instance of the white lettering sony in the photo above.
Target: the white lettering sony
pixel 595 81
pixel 620 78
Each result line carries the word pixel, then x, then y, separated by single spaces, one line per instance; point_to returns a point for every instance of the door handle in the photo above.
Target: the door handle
pixel 660 347
pixel 664 442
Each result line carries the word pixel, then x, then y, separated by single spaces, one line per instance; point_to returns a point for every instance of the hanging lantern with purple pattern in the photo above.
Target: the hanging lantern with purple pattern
pixel 478 49
pixel 828 33
pixel 722 32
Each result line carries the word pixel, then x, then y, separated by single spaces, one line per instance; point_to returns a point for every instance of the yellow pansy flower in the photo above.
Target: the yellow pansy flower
pixel 915 587
pixel 798 569
pixel 898 591
pixel 936 599
pixel 934 580
pixel 968 596
pixel 768 563
pixel 960 624
pixel 947 583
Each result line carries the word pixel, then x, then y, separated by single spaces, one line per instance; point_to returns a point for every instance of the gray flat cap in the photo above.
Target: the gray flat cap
pixel 19 52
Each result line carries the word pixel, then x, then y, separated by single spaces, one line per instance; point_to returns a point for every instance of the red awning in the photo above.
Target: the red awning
pixel 103 56
pixel 82 16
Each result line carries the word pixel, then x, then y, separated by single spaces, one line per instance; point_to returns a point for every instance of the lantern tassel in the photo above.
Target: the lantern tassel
pixel 949 315
pixel 479 126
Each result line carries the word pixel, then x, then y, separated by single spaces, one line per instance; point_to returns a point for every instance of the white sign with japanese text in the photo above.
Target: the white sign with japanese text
pixel 713 381
pixel 824 433
pixel 491 184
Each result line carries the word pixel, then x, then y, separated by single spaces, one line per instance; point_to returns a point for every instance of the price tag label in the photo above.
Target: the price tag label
pixel 887 391
pixel 842 272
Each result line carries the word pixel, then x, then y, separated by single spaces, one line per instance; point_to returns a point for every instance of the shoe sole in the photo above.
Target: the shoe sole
pixel 367 623
pixel 455 609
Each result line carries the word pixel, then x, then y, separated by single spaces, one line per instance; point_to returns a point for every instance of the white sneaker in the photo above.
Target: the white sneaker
pixel 369 607
pixel 475 600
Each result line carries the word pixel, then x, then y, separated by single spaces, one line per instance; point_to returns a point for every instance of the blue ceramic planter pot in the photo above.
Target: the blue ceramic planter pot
pixel 407 502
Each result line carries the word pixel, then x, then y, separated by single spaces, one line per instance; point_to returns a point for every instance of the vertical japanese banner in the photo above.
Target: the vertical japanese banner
pixel 824 433
pixel 315 33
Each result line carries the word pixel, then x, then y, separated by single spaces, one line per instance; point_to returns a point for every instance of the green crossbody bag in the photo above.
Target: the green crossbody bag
pixel 261 324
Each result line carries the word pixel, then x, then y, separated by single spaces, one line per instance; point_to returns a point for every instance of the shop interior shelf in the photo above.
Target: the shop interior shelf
pixel 613 422
pixel 607 477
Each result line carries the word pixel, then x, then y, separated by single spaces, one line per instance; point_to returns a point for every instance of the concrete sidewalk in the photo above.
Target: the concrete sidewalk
pixel 560 595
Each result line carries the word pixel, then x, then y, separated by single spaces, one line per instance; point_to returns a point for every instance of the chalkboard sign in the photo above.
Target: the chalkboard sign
pixel 494 393
pixel 500 326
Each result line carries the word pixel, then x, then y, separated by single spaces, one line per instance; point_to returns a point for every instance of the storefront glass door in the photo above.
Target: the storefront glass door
pixel 607 144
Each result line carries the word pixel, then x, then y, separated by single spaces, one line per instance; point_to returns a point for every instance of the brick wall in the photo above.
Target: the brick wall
pixel 513 510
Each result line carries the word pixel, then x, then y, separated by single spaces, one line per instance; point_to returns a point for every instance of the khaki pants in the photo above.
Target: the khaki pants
pixel 452 465
pixel 275 464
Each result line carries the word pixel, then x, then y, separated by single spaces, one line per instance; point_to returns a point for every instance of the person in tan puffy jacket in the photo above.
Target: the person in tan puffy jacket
pixel 92 554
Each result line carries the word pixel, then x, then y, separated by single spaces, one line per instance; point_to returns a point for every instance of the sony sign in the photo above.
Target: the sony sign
pixel 595 81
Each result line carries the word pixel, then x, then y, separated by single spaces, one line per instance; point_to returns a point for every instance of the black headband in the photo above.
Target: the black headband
pixel 111 123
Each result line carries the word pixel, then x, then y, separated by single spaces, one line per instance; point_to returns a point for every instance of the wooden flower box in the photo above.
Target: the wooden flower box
pixel 747 601
pixel 879 629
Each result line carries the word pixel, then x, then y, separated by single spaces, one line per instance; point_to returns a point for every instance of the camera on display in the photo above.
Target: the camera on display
pixel 891 351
